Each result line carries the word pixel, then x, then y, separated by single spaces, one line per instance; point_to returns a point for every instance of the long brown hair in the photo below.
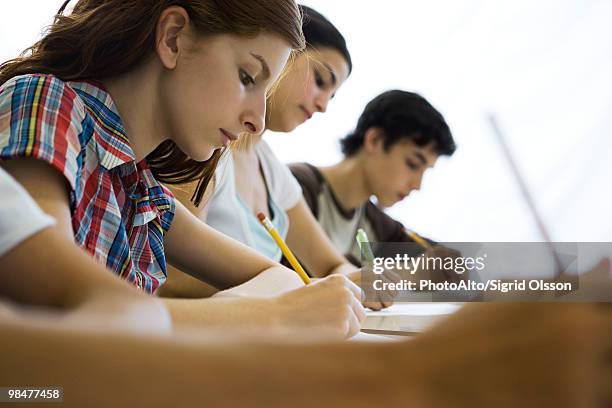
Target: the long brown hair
pixel 105 38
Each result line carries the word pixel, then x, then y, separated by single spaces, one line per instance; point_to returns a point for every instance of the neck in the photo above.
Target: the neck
pixel 348 183
pixel 136 98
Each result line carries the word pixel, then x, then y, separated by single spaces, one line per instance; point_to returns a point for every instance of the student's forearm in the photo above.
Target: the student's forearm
pixel 271 282
pixel 206 372
pixel 233 312
pixel 60 275
pixel 206 254
pixel 327 308
pixel 182 285
pixel 63 277
pixel 346 269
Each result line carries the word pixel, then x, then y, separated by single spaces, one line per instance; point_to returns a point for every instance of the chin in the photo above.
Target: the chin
pixel 201 155
pixel 386 203
pixel 296 125
pixel 285 126
pixel 199 151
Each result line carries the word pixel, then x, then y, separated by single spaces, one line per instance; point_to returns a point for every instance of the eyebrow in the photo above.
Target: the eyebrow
pixel 421 157
pixel 332 73
pixel 264 66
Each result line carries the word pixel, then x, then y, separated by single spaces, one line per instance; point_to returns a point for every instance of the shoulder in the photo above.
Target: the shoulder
pixel 42 116
pixel 40 101
pixel 308 176
pixel 280 182
pixel 266 155
pixel 276 172
pixel 40 89
pixel 311 180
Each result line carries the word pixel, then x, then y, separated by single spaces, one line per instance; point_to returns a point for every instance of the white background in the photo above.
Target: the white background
pixel 544 67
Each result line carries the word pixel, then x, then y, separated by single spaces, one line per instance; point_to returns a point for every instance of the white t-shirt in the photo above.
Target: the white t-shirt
pixel 229 214
pixel 20 216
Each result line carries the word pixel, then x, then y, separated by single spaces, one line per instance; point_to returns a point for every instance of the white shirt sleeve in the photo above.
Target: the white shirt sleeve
pixel 20 216
pixel 284 187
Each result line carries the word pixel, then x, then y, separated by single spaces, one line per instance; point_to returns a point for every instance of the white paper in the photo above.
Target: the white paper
pixel 417 309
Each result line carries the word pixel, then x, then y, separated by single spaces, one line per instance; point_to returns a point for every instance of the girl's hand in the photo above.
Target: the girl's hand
pixel 329 307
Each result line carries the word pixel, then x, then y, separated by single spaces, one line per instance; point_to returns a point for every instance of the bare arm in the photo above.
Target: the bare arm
pixel 199 250
pixel 47 186
pixel 553 358
pixel 195 248
pixel 180 284
pixel 329 307
pixel 212 369
pixel 48 269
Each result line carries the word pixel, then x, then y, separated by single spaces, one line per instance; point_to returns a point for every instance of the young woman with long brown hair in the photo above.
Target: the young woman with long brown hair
pixel 253 179
pixel 122 95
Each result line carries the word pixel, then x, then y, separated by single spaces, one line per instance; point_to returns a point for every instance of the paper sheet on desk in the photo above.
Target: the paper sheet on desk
pixel 408 317
pixel 416 309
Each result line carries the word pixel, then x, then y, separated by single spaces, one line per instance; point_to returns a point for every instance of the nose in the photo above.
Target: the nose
pixel 321 101
pixel 416 182
pixel 253 118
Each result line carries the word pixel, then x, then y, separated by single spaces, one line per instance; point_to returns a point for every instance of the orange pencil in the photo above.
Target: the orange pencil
pixel 283 247
pixel 416 238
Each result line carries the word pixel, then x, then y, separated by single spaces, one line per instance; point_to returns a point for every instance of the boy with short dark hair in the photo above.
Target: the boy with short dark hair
pixel 398 137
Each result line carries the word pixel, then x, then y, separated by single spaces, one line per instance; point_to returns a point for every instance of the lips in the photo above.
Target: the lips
pixel 307 113
pixel 229 135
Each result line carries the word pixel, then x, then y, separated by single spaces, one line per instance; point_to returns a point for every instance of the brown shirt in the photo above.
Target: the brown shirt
pixel 340 225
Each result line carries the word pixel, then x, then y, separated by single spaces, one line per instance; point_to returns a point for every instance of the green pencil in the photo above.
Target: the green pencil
pixel 364 245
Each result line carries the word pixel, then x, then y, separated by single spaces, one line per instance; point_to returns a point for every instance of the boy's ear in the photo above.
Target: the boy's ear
pixel 373 140
pixel 171 33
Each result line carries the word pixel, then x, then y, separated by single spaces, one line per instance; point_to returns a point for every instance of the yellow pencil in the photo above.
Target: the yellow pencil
pixel 283 247
pixel 416 238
